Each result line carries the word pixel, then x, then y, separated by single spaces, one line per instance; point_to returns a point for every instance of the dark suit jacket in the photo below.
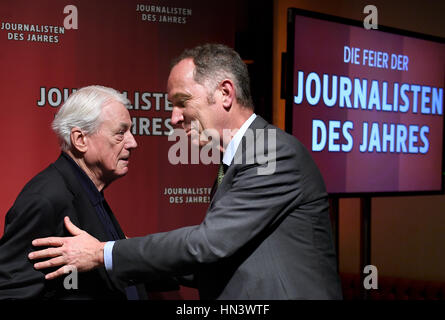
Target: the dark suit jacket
pixel 263 237
pixel 38 212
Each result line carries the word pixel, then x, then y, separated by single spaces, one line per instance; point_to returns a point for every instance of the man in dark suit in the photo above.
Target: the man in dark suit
pixel 94 129
pixel 266 234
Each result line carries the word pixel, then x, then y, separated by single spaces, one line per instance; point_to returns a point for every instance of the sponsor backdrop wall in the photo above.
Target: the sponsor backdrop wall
pixel 127 45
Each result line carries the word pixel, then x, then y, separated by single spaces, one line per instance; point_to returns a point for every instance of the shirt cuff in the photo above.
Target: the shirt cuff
pixel 108 255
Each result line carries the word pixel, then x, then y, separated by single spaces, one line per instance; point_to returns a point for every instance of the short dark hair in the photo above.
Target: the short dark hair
pixel 214 62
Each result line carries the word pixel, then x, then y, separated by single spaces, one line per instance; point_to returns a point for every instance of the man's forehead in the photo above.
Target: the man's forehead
pixel 182 71
pixel 115 111
pixel 181 78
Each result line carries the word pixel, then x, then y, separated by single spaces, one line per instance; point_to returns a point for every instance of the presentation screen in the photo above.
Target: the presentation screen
pixel 367 104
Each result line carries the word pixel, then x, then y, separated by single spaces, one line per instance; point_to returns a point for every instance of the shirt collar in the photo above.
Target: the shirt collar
pixel 88 186
pixel 229 154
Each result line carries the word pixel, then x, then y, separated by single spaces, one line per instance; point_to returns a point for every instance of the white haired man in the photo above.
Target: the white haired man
pixel 94 131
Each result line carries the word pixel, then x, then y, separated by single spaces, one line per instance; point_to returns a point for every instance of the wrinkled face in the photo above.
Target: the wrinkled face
pixel 109 148
pixel 191 106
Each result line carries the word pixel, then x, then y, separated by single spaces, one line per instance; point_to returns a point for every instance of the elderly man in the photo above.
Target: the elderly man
pixel 266 234
pixel 94 131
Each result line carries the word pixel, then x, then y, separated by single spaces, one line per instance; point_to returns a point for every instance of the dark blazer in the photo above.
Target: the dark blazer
pixel 38 212
pixel 263 237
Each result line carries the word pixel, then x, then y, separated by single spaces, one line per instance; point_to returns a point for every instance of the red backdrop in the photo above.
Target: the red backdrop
pixel 117 45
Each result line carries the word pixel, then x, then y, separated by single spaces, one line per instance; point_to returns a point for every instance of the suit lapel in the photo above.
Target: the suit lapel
pixel 258 123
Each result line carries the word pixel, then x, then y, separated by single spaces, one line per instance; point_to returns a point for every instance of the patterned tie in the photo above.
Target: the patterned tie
pixel 221 172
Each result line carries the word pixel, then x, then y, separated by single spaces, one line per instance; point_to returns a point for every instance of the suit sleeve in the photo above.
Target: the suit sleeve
pixel 30 217
pixel 251 205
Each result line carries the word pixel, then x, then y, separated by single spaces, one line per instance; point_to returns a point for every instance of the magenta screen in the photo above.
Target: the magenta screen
pixel 367 104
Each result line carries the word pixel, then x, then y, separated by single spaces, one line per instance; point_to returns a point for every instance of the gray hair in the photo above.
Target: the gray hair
pixel 216 62
pixel 82 110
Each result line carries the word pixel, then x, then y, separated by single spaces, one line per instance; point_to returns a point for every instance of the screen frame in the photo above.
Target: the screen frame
pixel 288 70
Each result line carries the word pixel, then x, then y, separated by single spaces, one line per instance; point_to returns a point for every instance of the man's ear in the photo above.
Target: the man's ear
pixel 78 140
pixel 228 93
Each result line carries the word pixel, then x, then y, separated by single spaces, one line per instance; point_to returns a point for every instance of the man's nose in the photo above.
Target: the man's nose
pixel 177 116
pixel 131 141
